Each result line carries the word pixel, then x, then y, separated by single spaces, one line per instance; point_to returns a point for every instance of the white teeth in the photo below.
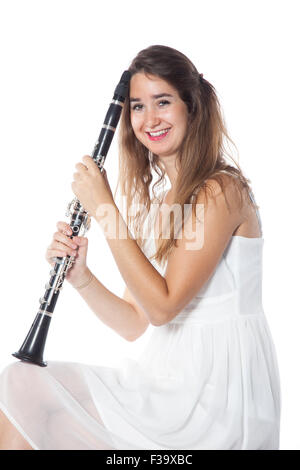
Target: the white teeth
pixel 154 134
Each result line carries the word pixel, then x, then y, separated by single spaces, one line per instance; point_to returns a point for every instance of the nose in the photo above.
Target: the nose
pixel 152 118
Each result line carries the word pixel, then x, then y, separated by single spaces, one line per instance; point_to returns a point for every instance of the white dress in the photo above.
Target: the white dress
pixel 208 379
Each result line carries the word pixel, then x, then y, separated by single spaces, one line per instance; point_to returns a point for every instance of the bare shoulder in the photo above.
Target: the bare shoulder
pixel 225 197
pixel 227 187
pixel 237 205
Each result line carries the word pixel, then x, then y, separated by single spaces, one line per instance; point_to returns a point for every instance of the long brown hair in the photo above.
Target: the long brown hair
pixel 201 155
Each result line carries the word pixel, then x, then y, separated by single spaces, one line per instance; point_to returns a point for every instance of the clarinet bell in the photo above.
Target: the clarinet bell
pixel 32 350
pixel 32 359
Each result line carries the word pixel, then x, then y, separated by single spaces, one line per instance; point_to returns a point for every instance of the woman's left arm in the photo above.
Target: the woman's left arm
pixel 190 264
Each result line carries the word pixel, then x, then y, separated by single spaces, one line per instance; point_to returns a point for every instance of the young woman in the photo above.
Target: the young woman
pixel 208 378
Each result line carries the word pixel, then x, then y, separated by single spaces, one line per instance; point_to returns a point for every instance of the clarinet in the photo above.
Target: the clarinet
pixel 32 349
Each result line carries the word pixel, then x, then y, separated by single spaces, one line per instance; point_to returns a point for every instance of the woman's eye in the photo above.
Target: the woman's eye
pixel 164 102
pixel 137 107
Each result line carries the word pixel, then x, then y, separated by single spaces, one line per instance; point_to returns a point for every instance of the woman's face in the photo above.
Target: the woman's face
pixel 158 114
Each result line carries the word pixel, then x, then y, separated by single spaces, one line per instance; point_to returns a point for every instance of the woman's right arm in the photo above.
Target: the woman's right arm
pixel 122 315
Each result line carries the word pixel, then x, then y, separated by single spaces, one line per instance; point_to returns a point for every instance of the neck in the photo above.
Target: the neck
pixel 170 168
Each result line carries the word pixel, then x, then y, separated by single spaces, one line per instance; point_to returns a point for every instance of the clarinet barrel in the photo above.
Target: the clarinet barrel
pixel 32 349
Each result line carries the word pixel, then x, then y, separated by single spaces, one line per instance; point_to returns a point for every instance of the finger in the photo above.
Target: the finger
pixel 57 254
pixel 64 228
pixel 50 261
pixel 61 253
pixel 74 187
pixel 53 254
pixel 81 167
pixel 90 164
pixel 76 176
pixel 104 174
pixel 55 245
pixel 80 241
pixel 60 237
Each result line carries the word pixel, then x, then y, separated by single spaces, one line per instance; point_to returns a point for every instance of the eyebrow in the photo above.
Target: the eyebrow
pixel 153 96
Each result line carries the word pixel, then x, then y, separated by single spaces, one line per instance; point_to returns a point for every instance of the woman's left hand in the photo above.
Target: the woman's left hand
pixel 91 186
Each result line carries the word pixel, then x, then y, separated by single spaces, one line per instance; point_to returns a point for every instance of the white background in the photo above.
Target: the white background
pixel 60 62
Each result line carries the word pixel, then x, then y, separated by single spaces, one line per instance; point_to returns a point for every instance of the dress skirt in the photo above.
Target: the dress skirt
pixel 209 386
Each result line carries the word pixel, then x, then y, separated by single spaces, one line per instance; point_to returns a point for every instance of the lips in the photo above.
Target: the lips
pixel 160 136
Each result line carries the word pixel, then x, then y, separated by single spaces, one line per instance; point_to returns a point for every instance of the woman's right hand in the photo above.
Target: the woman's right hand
pixel 62 245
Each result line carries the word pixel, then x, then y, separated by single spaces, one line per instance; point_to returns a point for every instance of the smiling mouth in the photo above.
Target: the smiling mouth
pixel 158 135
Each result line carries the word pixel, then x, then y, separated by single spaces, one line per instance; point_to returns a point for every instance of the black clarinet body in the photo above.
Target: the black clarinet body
pixel 32 349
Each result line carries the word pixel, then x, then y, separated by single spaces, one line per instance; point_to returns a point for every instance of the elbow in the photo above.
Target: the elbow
pixel 132 338
pixel 137 334
pixel 162 317
pixel 156 322
pixel 165 312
